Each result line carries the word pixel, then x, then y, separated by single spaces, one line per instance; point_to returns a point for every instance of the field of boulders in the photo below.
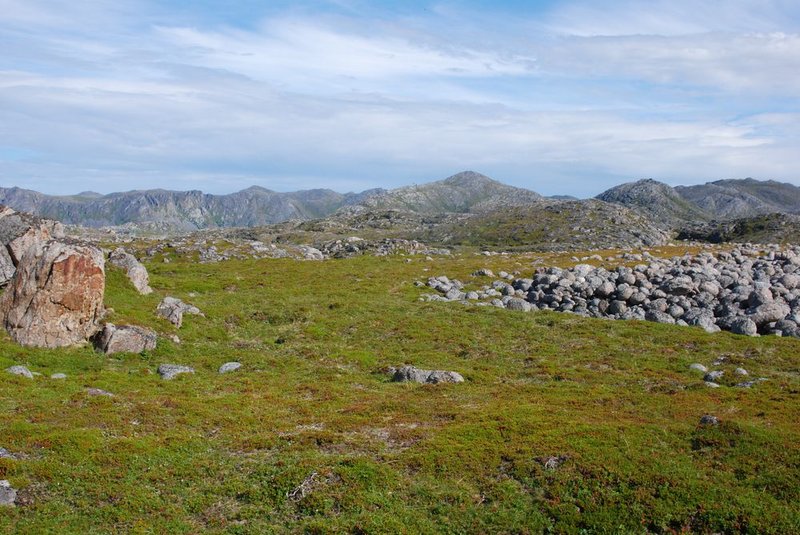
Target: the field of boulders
pixel 745 291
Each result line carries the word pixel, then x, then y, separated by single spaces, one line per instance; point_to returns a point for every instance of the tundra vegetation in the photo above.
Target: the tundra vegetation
pixel 563 423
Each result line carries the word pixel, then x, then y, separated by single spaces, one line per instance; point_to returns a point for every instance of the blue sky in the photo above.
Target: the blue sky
pixel 566 97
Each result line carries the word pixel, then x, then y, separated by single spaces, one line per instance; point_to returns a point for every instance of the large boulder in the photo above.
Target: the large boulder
pixel 19 233
pixel 55 298
pixel 125 339
pixel 136 272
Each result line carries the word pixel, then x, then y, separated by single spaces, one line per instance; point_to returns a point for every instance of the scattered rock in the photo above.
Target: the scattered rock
pixel 712 376
pixel 740 371
pixel 698 367
pixel 229 367
pixel 552 463
pixel 8 495
pixel 125 339
pixel 711 384
pixel 58 376
pixel 55 298
pixel 135 270
pixel 173 310
pixel 98 392
pixel 483 272
pixel 708 419
pixel 20 370
pixel 5 454
pixel 170 371
pixel 416 375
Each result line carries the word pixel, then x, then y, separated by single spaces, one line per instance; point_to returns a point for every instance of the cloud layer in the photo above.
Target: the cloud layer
pixel 572 99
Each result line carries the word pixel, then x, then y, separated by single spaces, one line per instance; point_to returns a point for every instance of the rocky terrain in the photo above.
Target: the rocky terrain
pixel 769 228
pixel 432 211
pixel 658 201
pixel 461 193
pixel 723 200
pixel 288 378
pixel 742 291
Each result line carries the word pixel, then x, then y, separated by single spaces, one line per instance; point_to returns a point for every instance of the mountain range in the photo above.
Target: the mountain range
pixel 467 192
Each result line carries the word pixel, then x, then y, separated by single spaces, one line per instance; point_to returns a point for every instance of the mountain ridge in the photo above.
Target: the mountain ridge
pixel 467 192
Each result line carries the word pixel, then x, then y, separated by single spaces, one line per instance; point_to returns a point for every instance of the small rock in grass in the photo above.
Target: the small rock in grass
pixel 699 367
pixel 711 384
pixel 741 371
pixel 20 370
pixel 99 392
pixel 746 384
pixel 551 463
pixel 709 419
pixel 713 376
pixel 416 375
pixel 5 454
pixel 229 367
pixel 58 376
pixel 170 371
pixel 8 495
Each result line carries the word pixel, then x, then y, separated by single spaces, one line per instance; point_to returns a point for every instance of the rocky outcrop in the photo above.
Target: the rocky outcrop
pixel 173 309
pixel 56 296
pixel 125 339
pixel 656 200
pixel 19 233
pixel 136 272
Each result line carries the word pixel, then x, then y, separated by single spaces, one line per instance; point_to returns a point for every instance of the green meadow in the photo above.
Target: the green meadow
pixel 615 402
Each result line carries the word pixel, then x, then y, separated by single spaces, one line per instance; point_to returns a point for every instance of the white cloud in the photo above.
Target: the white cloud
pixel 122 102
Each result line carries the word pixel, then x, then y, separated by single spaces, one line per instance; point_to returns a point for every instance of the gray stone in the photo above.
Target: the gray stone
pixel 229 367
pixel 740 371
pixel 515 303
pixel 8 495
pixel 125 339
pixel 20 370
pixel 698 367
pixel 744 326
pixel 173 309
pixel 134 269
pixel 99 392
pixel 170 371
pixel 709 419
pixel 58 376
pixel 711 384
pixel 5 454
pixel 416 375
pixel 713 376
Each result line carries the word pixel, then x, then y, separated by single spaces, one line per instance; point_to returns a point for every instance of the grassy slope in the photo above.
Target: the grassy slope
pixel 210 453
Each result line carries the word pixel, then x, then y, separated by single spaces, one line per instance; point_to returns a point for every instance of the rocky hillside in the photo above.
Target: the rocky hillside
pixel 657 200
pixel 768 228
pixel 461 193
pixel 561 225
pixel 162 210
pixel 732 199
pixel 179 210
pixel 723 200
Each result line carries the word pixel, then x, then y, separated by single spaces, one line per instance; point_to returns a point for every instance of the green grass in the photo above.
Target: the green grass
pixel 218 454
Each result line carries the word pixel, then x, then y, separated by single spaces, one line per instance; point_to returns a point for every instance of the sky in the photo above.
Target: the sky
pixel 558 96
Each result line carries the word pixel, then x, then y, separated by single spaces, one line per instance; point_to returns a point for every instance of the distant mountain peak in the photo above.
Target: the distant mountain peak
pixel 469 179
